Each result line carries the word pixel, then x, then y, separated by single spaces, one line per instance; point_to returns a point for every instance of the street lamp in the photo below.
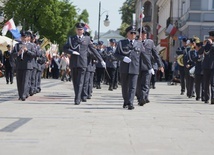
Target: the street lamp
pixel 106 21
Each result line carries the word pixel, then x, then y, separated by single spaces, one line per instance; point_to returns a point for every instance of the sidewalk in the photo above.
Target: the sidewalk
pixel 49 123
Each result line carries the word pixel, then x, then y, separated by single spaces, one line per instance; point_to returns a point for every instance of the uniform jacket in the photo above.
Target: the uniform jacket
pixel 80 45
pixel 208 62
pixel 135 52
pixel 26 63
pixel 102 54
pixel 153 54
pixel 198 62
pixel 110 59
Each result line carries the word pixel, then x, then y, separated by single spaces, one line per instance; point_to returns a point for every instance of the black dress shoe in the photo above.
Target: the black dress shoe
pixel 110 89
pixel 147 101
pixel 11 82
pixel 141 103
pixel 125 105
pixel 7 82
pixel 84 100
pixel 89 97
pixel 212 101
pixel 182 93
pixel 130 107
pixel 206 101
pixel 23 99
pixel 197 98
pixel 76 103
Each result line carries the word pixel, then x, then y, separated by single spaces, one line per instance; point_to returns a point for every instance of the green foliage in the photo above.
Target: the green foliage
pixel 54 19
pixel 127 10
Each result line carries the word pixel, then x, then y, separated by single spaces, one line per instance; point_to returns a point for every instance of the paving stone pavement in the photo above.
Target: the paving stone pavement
pixel 49 123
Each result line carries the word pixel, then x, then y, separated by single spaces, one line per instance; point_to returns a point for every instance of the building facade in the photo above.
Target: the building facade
pixel 188 17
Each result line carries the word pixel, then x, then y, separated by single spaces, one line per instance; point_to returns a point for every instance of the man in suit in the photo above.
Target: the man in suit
pixel 146 70
pixel 208 68
pixel 78 46
pixel 24 53
pixel 8 62
pixel 129 51
pixel 111 63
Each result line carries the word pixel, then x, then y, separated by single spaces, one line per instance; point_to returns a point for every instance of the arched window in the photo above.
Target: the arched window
pixel 147 11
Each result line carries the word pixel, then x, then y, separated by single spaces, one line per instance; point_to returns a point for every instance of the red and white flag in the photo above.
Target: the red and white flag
pixel 171 30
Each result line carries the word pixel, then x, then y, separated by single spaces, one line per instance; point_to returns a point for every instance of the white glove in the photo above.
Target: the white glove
pixel 127 59
pixel 103 64
pixel 76 53
pixel 151 71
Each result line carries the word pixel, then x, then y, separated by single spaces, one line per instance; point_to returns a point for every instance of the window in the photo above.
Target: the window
pixel 211 4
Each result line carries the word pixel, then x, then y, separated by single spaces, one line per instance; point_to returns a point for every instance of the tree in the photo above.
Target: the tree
pixel 127 10
pixel 54 19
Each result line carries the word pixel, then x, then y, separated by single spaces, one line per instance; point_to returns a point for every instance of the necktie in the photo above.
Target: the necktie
pixel 131 42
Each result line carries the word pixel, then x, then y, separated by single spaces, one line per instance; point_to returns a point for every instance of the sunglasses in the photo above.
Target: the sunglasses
pixel 133 32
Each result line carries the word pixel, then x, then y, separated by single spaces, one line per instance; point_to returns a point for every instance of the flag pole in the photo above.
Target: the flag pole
pixel 141 20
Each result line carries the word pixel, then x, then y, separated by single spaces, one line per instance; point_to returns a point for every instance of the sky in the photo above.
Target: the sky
pixel 109 7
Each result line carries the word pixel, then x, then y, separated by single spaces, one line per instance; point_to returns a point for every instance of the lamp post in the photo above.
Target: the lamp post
pixel 106 21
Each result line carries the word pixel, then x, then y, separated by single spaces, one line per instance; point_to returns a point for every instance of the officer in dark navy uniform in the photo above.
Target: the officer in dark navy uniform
pixel 78 46
pixel 24 53
pixel 9 64
pixel 111 63
pixel 100 70
pixel 199 87
pixel 146 69
pixel 181 52
pixel 208 68
pixel 129 51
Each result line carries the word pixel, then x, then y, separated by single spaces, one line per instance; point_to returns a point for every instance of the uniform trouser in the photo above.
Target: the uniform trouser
pixel 90 84
pixel 143 86
pixel 38 80
pixel 99 73
pixel 33 81
pixel 22 77
pixel 78 75
pixel 128 83
pixel 189 83
pixel 9 74
pixel 208 79
pixel 86 85
pixel 199 86
pixel 111 79
pixel 116 78
pixel 182 79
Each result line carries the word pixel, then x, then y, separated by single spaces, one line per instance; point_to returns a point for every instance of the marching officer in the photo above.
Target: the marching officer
pixel 78 46
pixel 9 63
pixel 41 60
pixel 33 80
pixel 100 70
pixel 208 68
pixel 111 63
pixel 182 52
pixel 146 69
pixel 89 75
pixel 24 53
pixel 199 87
pixel 129 52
